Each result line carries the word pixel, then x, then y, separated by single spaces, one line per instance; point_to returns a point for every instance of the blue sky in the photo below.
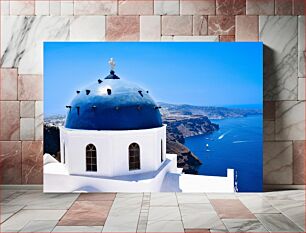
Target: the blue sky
pixel 207 74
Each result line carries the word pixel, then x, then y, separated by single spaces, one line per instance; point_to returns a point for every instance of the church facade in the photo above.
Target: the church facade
pixel 114 140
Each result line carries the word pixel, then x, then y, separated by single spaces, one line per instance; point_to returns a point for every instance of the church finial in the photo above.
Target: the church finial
pixel 112 63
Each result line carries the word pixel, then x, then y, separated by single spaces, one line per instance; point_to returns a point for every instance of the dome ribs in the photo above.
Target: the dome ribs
pixel 78 109
pixel 112 104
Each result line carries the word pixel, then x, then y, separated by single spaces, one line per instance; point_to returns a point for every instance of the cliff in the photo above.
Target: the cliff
pixel 210 111
pixel 178 128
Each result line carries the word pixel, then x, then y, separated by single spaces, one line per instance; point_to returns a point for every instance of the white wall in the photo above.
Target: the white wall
pixel 148 182
pixel 112 150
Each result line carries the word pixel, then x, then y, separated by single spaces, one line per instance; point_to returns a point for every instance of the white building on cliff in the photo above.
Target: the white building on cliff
pixel 114 141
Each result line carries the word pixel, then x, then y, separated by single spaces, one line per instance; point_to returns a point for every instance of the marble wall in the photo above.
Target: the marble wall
pixel 280 24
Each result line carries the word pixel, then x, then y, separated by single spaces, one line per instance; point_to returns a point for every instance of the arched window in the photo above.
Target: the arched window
pixel 161 151
pixel 134 157
pixel 91 158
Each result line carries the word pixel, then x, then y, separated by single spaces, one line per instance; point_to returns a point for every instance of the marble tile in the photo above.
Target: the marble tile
pixel 135 7
pixel 132 202
pixel 246 28
pixel 122 219
pixel 55 8
pixel 8 87
pixel 165 226
pixel 78 229
pixel 231 209
pixel 230 7
pixel 42 7
pixel 32 162
pixel 67 7
pixel 293 195
pixel 8 210
pixel 35 200
pixel 195 38
pixel 5 7
pixel 30 87
pixel 269 130
pixel 188 209
pixel 299 162
pixel 201 230
pixel 39 226
pixel 257 205
pixel 277 223
pixel 166 7
pixel 277 162
pixel 225 38
pixel 21 43
pixel 23 217
pixel 238 225
pixel 5 194
pixel 294 210
pixel 9 195
pixel 129 195
pixel 191 198
pixel 39 120
pixel 221 25
pixel 269 110
pixel 301 89
pixel 97 197
pixel 27 129
pixel 298 7
pixel 10 157
pixel 27 108
pixel 107 7
pixel 163 199
pixel 279 35
pixel 202 220
pixel 260 7
pixel 221 196
pixel 122 28
pixel 176 25
pixel 86 213
pixel 22 7
pixel 290 120
pixel 283 7
pixel 168 38
pixel 9 120
pixel 150 28
pixel 301 47
pixel 200 25
pixel 164 213
pixel 203 7
pixel 87 28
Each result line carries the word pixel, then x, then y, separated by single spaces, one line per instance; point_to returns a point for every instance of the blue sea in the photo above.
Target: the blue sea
pixel 238 145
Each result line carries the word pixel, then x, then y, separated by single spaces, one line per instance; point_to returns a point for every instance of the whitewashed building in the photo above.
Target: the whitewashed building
pixel 114 140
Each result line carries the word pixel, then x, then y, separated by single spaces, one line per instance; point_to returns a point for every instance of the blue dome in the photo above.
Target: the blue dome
pixel 113 104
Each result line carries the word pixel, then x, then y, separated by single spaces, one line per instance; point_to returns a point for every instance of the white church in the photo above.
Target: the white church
pixel 114 141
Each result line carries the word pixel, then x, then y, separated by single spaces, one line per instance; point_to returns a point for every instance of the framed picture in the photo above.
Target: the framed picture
pixel 153 117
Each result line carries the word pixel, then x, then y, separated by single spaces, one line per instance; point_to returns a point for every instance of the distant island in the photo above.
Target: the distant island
pixel 182 121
